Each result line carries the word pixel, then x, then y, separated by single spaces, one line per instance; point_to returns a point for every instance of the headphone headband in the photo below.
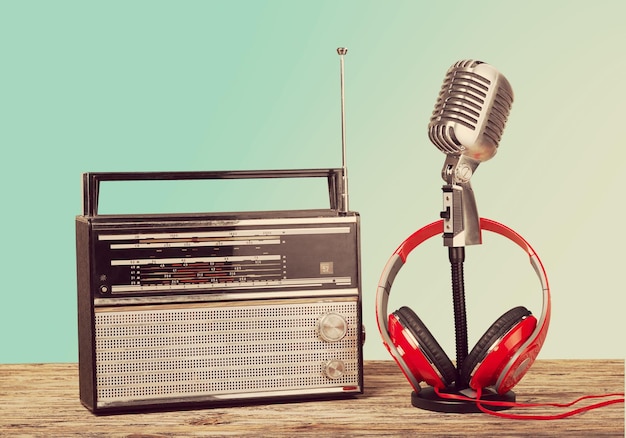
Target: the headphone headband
pixel 525 355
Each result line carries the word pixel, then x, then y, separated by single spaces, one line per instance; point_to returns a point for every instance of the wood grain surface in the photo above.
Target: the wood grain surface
pixel 42 400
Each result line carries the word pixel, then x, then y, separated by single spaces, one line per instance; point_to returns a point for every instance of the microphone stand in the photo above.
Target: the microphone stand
pixel 461 225
pixel 456 255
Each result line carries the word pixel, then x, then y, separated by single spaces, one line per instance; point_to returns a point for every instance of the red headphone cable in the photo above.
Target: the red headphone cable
pixel 481 405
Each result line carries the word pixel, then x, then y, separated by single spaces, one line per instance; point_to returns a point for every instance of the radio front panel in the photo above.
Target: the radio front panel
pixel 209 311
pixel 147 355
pixel 261 255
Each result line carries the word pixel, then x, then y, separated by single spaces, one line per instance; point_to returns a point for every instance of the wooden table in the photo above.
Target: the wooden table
pixel 42 400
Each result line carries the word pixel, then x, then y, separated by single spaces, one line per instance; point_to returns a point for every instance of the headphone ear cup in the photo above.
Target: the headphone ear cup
pixel 486 360
pixel 432 363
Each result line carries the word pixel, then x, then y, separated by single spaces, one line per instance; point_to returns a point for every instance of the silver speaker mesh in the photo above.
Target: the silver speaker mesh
pixel 161 353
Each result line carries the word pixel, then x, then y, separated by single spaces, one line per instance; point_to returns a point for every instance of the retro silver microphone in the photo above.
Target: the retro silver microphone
pixel 467 125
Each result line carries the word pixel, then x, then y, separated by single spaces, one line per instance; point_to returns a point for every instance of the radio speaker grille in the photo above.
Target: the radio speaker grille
pixel 169 352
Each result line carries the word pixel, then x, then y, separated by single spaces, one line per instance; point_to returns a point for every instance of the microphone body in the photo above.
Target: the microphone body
pixel 471 110
pixel 467 124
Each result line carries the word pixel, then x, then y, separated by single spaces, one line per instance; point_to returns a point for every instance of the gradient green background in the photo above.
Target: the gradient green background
pixel 220 85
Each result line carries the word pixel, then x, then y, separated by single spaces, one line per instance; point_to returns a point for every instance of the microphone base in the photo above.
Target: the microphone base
pixel 428 400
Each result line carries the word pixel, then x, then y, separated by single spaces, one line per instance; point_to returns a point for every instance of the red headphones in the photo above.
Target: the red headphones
pixel 502 355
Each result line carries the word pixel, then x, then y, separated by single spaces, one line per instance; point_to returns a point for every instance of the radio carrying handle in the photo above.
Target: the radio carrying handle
pixel 91 181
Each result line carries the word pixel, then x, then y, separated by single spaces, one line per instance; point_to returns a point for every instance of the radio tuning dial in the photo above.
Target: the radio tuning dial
pixel 334 369
pixel 332 327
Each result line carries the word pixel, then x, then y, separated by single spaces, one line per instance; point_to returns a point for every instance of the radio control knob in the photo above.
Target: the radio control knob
pixel 332 327
pixel 334 369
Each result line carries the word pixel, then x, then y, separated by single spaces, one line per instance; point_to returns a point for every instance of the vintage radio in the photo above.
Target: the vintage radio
pixel 218 308
pixel 178 310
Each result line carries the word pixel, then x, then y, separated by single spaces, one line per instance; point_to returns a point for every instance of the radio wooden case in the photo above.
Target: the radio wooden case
pixel 206 309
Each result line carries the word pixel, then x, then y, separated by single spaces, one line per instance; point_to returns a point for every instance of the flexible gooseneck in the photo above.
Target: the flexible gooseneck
pixel 457 257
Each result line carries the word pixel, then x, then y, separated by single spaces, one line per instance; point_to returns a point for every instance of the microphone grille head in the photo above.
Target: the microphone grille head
pixel 471 110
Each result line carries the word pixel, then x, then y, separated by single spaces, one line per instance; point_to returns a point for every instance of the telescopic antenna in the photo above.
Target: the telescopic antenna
pixel 342 51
